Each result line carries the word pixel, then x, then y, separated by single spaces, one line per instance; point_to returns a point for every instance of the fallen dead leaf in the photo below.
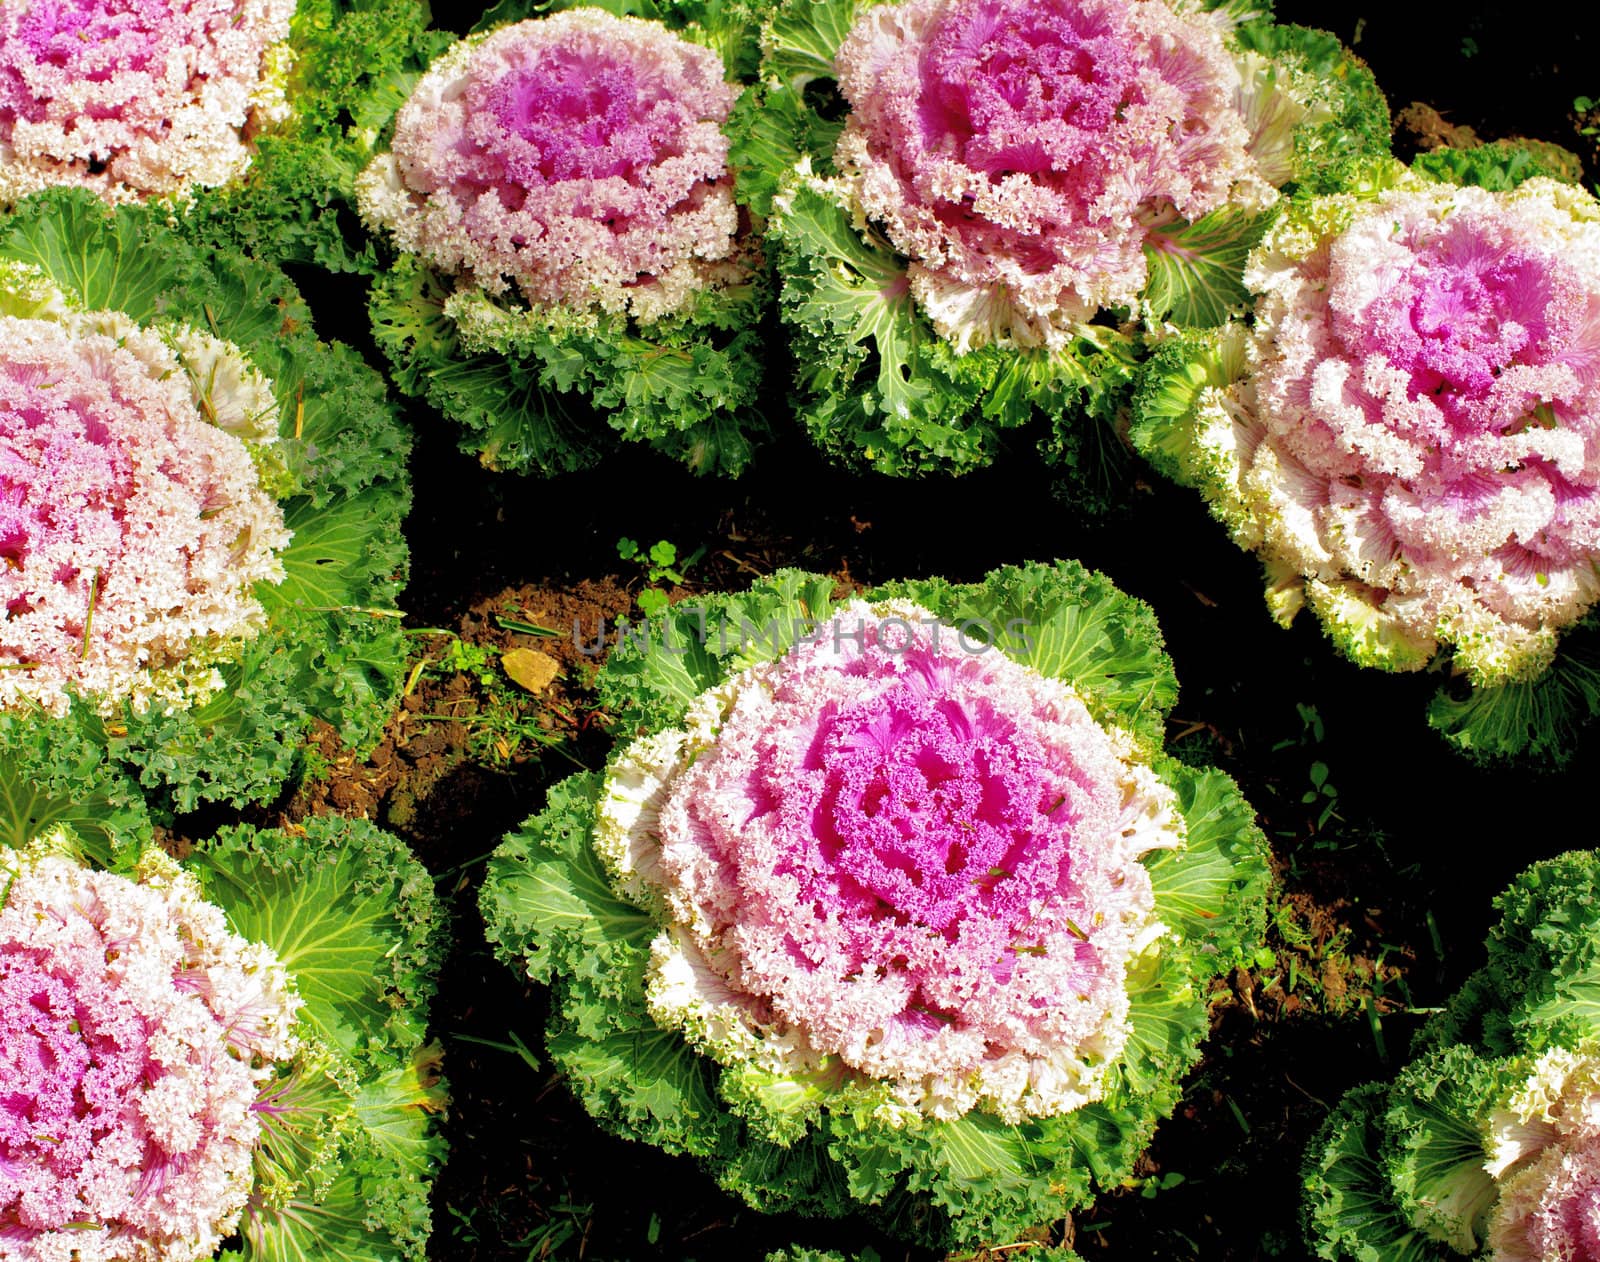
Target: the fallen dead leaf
pixel 530 668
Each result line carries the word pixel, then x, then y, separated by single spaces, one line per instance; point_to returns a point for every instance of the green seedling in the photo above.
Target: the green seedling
pixel 1156 1184
pixel 661 565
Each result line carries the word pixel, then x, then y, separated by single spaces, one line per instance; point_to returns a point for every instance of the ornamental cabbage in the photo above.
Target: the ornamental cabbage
pixel 1028 167
pixel 1020 155
pixel 133 527
pixel 1487 1145
pixel 251 118
pixel 1410 435
pixel 898 857
pixel 199 508
pixel 136 99
pixel 136 1034
pixel 234 1045
pixel 559 192
pixel 579 155
pixel 882 879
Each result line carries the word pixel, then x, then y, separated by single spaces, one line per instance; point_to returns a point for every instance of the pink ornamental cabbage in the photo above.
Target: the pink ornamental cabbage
pixel 1020 152
pixel 136 98
pixel 1421 437
pixel 579 156
pixel 899 860
pixel 1547 1162
pixel 136 1032
pixel 132 529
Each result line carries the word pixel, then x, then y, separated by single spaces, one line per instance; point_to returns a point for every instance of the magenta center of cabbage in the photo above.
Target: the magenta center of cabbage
pixel 68 1062
pixel 582 116
pixel 1467 310
pixel 94 38
pixel 1000 75
pixel 933 811
pixel 61 473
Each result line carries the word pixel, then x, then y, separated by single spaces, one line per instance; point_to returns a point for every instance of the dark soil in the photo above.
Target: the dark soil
pixel 1385 879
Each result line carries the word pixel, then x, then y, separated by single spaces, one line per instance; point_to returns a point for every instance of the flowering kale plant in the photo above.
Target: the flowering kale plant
pixel 136 98
pixel 231 1045
pixel 1488 1144
pixel 199 508
pixel 251 117
pixel 115 994
pixel 892 902
pixel 1008 187
pixel 571 255
pixel 1410 438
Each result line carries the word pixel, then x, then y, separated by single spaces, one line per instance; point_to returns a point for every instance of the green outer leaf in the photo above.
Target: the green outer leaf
pixel 394 1108
pixel 1167 392
pixel 55 773
pixel 665 663
pixel 800 42
pixel 1213 892
pixel 1084 395
pixel 311 1185
pixel 352 915
pixel 127 260
pixel 1540 720
pixel 507 418
pixel 1349 1207
pixel 856 290
pixel 686 384
pixel 1169 1019
pixel 1541 984
pixel 341 557
pixel 1573 1009
pixel 1544 957
pixel 800 1179
pixel 343 1165
pixel 548 907
pixel 345 457
pixel 336 1225
pixel 1197 270
pixel 353 56
pixel 338 428
pixel 1437 1145
pixel 645 1083
pixel 241 745
pixel 993 1179
pixel 770 129
pixel 348 1149
pixel 875 385
pixel 1500 165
